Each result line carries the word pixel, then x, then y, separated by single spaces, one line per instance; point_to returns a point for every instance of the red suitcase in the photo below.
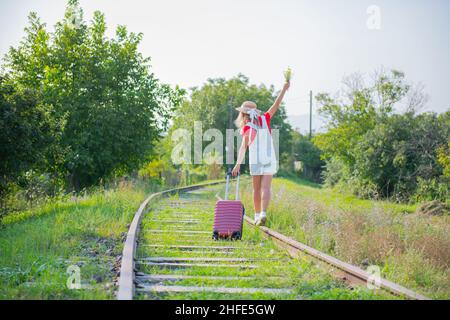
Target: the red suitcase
pixel 229 216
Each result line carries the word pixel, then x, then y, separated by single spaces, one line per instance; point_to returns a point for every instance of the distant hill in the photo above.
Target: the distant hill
pixel 301 123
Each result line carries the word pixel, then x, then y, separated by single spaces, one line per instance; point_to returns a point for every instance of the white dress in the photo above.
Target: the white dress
pixel 262 157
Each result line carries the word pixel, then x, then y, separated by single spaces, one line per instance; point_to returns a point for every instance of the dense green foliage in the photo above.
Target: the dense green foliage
pixel 305 151
pixel 380 153
pixel 78 106
pixel 26 133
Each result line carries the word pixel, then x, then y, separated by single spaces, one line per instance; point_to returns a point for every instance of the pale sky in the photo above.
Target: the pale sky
pixel 190 41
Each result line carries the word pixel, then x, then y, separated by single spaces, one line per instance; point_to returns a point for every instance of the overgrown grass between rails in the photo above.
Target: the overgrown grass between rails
pixel 411 249
pixel 272 267
pixel 37 247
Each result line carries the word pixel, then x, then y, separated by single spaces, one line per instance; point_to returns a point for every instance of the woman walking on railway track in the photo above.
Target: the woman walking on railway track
pixel 257 137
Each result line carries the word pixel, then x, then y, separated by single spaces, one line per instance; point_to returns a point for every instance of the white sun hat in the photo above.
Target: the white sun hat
pixel 249 108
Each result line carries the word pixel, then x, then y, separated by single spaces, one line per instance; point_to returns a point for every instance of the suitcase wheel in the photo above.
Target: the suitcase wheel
pixel 215 235
pixel 236 236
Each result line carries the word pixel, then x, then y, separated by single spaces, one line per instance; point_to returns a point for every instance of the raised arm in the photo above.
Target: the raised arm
pixel 273 109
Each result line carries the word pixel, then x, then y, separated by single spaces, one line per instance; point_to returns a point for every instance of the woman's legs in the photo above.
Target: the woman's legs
pixel 266 183
pixel 257 193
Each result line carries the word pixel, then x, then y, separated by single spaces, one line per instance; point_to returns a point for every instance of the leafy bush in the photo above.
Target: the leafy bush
pixel 26 133
pixel 335 172
pixel 310 156
pixel 379 153
pixel 400 152
pixel 36 186
pixel 443 153
pixel 431 189
pixel 152 170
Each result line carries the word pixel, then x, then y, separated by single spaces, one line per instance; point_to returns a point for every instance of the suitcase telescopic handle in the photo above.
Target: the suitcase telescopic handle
pixel 228 182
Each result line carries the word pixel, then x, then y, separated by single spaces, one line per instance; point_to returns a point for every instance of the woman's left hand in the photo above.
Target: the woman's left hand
pixel 287 85
pixel 236 170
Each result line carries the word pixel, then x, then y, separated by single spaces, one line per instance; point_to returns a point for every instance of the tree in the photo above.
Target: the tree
pixel 304 150
pixel 214 105
pixel 27 132
pixel 401 150
pixel 110 107
pixel 373 148
pixel 358 112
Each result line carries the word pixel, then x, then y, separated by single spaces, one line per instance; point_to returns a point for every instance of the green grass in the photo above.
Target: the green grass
pixel 37 247
pixel 337 199
pixel 411 249
pixel 275 268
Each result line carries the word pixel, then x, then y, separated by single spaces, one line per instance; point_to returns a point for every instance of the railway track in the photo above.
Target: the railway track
pixel 169 254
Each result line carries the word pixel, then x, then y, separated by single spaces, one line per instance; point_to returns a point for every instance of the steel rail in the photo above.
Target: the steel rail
pixel 345 271
pixel 127 275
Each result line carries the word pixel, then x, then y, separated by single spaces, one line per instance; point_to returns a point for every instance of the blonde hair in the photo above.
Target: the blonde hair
pixel 241 120
pixel 243 117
